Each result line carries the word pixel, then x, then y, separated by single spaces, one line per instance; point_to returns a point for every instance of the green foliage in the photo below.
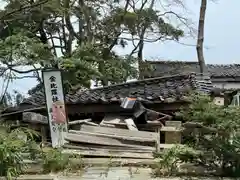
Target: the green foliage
pixel 46 36
pixel 12 145
pixel 169 160
pixel 218 137
pixel 202 109
pixel 19 50
pixel 54 161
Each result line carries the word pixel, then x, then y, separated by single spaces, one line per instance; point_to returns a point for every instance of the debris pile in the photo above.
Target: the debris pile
pixel 133 133
pixel 123 136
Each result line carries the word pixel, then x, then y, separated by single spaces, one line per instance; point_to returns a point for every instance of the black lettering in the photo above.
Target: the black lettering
pixel 54 91
pixel 54 98
pixel 52 79
pixel 53 86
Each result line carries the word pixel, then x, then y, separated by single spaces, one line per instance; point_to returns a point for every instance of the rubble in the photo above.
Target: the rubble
pixel 135 135
pixel 123 136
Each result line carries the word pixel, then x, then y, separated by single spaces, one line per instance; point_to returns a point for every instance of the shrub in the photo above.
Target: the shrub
pixel 215 131
pixel 169 160
pixel 54 160
pixel 12 144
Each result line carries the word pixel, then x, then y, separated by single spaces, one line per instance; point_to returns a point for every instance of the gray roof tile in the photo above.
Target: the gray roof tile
pixel 153 89
pixel 163 68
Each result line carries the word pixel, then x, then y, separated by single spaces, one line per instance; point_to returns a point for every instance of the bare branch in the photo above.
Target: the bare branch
pixel 22 8
pixel 68 21
pixel 23 77
pixel 10 67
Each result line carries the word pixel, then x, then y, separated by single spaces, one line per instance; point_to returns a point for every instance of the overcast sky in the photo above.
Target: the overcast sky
pixel 222 39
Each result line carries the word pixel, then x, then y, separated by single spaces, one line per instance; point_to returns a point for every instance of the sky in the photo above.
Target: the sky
pixel 222 40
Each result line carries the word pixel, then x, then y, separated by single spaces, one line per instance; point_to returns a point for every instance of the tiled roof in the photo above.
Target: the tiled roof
pixel 162 68
pixel 155 89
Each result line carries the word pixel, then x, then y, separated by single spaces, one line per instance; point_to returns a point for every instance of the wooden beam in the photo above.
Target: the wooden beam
pixel 116 123
pixel 114 136
pixel 101 140
pixel 109 148
pixel 119 132
pixel 91 123
pixel 86 146
pixel 79 121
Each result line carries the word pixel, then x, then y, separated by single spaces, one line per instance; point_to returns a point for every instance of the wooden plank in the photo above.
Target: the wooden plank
pixel 119 132
pixel 106 153
pixel 101 140
pixel 114 136
pixel 86 146
pixel 114 126
pixel 108 148
pixel 151 125
pixel 121 125
pixel 130 124
pixel 91 123
pixel 79 121
pixel 116 123
pixel 113 118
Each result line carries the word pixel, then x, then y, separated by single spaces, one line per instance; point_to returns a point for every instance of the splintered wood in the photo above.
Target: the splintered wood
pixel 130 124
pixel 97 141
pixel 116 136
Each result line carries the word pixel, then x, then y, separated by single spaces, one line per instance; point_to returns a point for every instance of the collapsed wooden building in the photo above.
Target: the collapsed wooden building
pixel 163 94
pixel 97 118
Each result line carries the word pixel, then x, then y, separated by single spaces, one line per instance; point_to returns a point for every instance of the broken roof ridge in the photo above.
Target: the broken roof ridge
pixel 163 78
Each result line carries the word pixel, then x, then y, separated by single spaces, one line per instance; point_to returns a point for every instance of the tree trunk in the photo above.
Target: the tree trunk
pixel 201 36
pixel 141 67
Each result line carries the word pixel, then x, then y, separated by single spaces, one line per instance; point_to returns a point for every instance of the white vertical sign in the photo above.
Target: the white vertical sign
pixel 55 106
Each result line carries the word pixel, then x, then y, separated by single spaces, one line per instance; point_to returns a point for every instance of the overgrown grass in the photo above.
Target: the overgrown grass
pixel 12 144
pixel 55 161
pixel 168 161
pixel 18 144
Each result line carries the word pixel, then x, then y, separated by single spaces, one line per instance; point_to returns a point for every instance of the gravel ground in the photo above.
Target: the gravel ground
pixel 113 173
pixel 123 173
